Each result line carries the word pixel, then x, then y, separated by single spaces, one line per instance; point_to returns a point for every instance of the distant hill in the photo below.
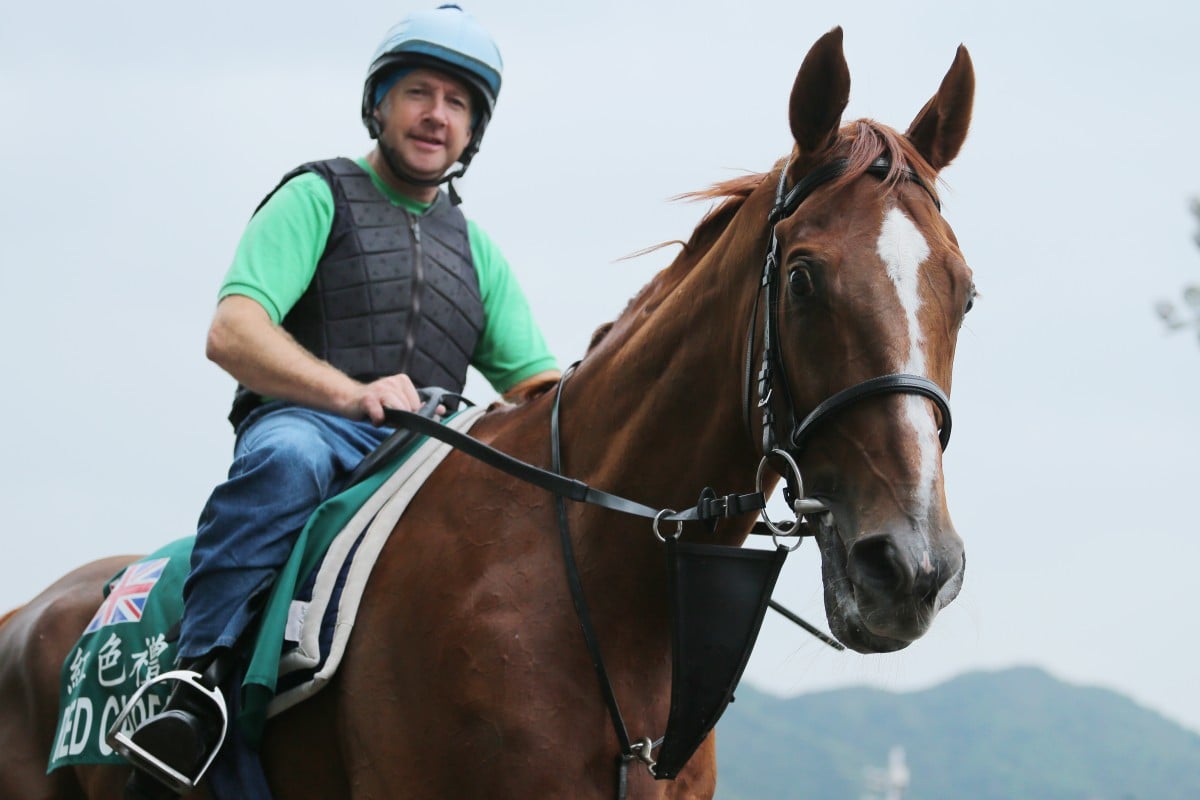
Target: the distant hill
pixel 1017 733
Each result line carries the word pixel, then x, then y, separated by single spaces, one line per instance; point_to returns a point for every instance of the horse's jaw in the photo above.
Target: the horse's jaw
pixel 862 622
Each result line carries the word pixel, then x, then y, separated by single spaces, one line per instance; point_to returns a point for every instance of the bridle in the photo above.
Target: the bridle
pixel 786 437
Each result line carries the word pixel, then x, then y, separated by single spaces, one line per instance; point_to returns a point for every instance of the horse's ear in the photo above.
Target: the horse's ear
pixel 939 130
pixel 820 94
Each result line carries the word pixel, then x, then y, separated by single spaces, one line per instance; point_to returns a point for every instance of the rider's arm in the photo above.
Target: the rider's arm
pixel 245 342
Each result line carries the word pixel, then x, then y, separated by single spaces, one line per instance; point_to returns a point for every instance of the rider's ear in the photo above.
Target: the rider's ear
pixel 819 95
pixel 940 128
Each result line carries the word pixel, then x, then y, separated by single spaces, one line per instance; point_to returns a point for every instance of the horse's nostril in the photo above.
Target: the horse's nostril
pixel 881 565
pixel 875 563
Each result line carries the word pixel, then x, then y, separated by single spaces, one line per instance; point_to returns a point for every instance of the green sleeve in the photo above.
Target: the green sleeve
pixel 511 347
pixel 279 250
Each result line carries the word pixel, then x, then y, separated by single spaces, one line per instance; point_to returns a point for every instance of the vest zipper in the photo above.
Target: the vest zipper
pixel 418 279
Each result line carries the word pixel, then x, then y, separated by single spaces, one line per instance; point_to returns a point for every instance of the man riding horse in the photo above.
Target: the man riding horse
pixel 355 282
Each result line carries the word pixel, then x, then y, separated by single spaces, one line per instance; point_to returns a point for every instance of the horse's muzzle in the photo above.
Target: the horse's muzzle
pixel 884 590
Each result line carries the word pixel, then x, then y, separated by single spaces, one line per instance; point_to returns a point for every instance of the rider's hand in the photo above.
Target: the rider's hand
pixel 394 391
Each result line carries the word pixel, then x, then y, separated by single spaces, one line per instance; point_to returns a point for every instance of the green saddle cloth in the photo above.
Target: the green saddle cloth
pixel 126 642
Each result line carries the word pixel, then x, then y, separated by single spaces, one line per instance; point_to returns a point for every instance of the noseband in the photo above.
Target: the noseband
pixel 795 432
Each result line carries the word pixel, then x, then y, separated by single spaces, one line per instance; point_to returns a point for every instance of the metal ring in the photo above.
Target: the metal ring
pixel 791 463
pixel 778 530
pixel 678 524
pixel 799 539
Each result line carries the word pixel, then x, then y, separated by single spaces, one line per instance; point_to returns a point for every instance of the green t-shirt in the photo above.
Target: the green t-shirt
pixel 279 250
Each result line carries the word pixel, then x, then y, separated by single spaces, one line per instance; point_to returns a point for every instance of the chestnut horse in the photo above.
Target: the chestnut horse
pixel 467 675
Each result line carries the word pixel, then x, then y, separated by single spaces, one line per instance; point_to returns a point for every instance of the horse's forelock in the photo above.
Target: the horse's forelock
pixel 863 141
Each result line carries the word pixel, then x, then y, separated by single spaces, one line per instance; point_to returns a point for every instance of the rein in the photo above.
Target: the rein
pixel 709 508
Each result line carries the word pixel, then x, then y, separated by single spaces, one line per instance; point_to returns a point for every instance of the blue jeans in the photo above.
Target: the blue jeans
pixel 287 461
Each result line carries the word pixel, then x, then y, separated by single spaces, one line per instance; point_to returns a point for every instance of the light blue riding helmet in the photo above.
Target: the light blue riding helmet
pixel 447 39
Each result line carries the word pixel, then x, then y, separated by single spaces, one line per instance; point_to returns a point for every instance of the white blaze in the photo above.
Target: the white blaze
pixel 903 250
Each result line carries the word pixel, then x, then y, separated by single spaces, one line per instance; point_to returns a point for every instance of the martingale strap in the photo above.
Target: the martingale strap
pixel 582 611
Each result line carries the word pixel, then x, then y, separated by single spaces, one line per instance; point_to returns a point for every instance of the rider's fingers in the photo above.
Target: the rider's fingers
pixel 399 389
pixel 375 412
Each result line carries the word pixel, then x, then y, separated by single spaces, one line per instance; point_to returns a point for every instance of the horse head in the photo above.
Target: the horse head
pixel 871 283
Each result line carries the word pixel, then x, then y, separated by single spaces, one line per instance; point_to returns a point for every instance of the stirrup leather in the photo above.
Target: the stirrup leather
pixel 122 741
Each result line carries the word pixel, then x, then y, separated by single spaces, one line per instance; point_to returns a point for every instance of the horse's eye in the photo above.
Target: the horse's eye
pixel 800 282
pixel 970 300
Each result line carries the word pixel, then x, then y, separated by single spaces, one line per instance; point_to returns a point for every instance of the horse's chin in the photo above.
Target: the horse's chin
pixel 846 620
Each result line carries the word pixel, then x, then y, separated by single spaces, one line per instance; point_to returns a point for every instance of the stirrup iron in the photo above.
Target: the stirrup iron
pixel 122 742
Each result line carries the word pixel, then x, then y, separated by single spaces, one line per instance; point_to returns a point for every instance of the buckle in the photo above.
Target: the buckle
pixel 710 507
pixel 730 505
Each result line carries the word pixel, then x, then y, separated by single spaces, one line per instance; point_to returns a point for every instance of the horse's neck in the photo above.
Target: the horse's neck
pixel 656 414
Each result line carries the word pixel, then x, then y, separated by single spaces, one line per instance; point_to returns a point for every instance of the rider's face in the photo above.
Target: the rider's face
pixel 427 121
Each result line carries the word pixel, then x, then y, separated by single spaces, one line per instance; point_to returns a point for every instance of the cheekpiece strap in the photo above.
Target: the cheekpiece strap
pixel 786 202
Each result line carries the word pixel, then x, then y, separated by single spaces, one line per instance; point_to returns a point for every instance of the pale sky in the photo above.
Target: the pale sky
pixel 137 137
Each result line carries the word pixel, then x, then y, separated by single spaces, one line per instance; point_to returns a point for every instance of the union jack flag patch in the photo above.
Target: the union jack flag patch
pixel 127 599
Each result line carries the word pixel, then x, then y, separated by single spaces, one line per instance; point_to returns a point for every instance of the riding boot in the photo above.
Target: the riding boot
pixel 183 736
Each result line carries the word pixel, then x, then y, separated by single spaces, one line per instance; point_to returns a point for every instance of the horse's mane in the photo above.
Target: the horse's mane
pixel 860 142
pixel 732 194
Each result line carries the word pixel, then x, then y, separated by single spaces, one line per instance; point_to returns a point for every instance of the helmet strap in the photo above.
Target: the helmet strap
pixel 455 197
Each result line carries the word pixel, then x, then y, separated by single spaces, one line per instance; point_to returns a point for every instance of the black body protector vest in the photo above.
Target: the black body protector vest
pixel 393 292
